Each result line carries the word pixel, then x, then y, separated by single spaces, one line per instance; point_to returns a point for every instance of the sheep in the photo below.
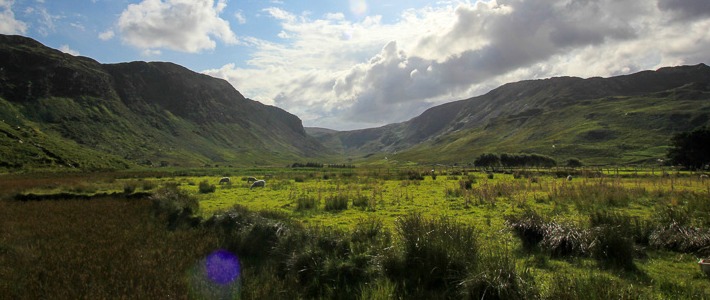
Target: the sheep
pixel 250 179
pixel 258 183
pixel 224 180
pixel 569 177
pixel 703 177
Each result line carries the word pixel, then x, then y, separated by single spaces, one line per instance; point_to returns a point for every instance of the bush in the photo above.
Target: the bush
pixel 171 198
pixel 205 187
pixel 129 188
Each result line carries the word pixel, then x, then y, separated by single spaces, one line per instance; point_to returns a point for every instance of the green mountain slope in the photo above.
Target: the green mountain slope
pixel 61 110
pixel 599 120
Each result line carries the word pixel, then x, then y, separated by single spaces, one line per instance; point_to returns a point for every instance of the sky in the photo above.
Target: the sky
pixel 358 64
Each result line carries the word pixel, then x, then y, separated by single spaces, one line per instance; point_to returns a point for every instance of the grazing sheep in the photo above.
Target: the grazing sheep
pixel 224 180
pixel 250 179
pixel 569 177
pixel 258 183
pixel 703 177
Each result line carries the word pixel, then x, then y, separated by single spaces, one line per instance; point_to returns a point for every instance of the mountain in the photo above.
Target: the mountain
pixel 58 110
pixel 623 119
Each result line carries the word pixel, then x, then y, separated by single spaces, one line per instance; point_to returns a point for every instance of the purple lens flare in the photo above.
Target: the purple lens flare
pixel 222 267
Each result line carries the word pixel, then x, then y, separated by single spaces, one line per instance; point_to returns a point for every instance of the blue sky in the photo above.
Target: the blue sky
pixel 363 63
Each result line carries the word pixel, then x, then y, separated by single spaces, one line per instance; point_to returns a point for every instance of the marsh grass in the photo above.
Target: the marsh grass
pixel 455 247
pixel 97 249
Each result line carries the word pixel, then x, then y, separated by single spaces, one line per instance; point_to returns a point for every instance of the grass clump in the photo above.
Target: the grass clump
pixel 530 227
pixel 205 187
pixel 336 202
pixel 436 254
pixel 306 202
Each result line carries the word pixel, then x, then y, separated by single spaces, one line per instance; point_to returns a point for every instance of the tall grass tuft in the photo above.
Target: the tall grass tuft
pixel 563 240
pixel 205 187
pixel 437 254
pixel 336 202
pixel 613 246
pixel 498 278
pixel 306 202
pixel 530 227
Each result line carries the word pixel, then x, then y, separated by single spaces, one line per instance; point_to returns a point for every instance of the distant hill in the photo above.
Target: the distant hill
pixel 623 119
pixel 58 110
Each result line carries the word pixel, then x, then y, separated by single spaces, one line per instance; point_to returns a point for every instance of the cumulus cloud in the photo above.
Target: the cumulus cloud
pixel 8 23
pixel 337 73
pixel 107 35
pixel 180 25
pixel 65 48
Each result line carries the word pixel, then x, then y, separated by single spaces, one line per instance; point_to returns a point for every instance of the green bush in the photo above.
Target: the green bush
pixel 205 187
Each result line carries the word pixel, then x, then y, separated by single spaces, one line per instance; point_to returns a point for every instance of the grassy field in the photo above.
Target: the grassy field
pixel 361 234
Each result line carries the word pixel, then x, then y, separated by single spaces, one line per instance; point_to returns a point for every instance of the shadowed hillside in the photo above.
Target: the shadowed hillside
pixel 61 110
pixel 602 120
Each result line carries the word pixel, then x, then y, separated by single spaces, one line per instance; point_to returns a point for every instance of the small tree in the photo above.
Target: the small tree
pixel 487 160
pixel 690 149
pixel 574 163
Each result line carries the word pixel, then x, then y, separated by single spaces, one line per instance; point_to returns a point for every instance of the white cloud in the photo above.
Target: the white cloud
pixel 150 52
pixel 337 73
pixel 107 35
pixel 8 23
pixel 65 48
pixel 180 25
pixel 239 15
pixel 45 21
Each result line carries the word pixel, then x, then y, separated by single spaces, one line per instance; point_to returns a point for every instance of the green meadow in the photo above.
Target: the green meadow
pixel 360 233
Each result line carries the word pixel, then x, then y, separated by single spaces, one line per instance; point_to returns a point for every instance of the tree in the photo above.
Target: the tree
pixel 487 160
pixel 690 149
pixel 574 163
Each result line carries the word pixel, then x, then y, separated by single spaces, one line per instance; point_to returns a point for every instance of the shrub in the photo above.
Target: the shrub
pixel 205 187
pixel 171 198
pixel 129 188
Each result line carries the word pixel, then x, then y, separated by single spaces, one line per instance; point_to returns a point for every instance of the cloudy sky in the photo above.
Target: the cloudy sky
pixel 355 64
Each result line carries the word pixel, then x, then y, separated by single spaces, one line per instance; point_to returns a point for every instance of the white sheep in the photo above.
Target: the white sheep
pixel 224 180
pixel 258 183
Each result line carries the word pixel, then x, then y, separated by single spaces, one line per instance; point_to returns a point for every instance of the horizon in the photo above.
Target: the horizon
pixel 358 64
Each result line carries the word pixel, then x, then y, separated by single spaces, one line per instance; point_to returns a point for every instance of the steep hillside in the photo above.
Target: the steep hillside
pixel 600 120
pixel 61 110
